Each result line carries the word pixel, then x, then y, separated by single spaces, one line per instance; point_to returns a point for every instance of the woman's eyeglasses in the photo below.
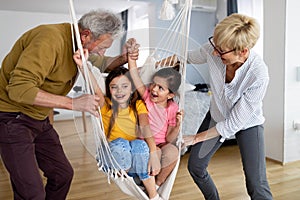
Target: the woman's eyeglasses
pixel 221 53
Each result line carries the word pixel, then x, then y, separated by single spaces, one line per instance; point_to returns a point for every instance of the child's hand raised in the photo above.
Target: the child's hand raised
pixel 77 57
pixel 132 49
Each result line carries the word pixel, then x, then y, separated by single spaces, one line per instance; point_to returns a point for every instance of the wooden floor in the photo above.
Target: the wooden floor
pixel 225 168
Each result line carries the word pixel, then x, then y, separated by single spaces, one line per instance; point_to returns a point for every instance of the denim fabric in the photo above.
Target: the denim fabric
pixel 140 158
pixel 132 156
pixel 120 150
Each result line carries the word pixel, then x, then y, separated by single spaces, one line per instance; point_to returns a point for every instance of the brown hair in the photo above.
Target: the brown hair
pixel 119 71
pixel 172 76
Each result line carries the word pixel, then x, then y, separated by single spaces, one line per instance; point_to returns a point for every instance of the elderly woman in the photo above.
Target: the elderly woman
pixel 238 81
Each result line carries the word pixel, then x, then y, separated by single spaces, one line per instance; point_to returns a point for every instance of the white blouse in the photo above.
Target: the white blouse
pixel 236 105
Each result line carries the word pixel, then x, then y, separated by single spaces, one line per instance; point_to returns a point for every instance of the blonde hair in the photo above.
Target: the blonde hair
pixel 237 32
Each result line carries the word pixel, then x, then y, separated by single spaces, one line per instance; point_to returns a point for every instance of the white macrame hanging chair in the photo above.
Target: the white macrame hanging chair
pixel 174 42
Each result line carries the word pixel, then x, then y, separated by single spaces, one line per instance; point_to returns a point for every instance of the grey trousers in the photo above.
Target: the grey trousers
pixel 251 145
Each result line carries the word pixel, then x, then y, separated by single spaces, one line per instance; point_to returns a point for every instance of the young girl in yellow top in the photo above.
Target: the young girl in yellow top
pixel 125 118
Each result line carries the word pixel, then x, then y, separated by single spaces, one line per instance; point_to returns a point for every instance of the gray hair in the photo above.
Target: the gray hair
pixel 101 22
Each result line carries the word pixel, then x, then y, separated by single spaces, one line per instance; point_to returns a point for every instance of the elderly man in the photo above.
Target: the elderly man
pixel 34 78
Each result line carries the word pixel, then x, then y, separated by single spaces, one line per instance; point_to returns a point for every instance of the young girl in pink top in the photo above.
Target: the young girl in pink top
pixel 163 113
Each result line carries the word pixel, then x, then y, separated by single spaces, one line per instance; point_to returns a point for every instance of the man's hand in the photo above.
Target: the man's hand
pixel 87 103
pixel 131 49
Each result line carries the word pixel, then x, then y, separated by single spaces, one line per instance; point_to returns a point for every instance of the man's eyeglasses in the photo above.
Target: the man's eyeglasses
pixel 216 49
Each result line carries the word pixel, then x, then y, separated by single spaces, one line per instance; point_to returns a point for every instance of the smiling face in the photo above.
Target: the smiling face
pixel 159 91
pixel 120 88
pixel 98 45
pixel 233 57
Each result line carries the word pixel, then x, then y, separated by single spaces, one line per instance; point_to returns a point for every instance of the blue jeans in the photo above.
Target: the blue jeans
pixel 132 156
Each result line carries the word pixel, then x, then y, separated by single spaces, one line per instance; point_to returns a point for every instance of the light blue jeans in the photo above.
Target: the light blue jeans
pixel 132 156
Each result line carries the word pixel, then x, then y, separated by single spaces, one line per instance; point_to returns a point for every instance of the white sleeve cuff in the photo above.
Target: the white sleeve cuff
pixel 222 139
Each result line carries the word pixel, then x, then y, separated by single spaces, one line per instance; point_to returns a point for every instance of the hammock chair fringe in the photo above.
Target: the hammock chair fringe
pixel 180 26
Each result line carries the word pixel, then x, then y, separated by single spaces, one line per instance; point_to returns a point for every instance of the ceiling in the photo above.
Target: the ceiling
pixel 62 6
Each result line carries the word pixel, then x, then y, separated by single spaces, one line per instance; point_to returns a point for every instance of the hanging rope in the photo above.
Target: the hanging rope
pixel 174 42
pixel 101 144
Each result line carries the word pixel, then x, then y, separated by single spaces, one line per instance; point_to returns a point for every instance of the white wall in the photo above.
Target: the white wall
pixel 14 24
pixel 281 53
pixel 274 57
pixel 292 86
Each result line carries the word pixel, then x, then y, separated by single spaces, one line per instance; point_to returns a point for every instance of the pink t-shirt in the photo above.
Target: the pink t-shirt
pixel 160 118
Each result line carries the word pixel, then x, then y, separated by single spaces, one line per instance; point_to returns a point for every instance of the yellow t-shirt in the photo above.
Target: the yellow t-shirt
pixel 125 125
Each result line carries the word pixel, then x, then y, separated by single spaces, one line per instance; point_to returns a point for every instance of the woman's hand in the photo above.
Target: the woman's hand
pixel 188 140
pixel 200 137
